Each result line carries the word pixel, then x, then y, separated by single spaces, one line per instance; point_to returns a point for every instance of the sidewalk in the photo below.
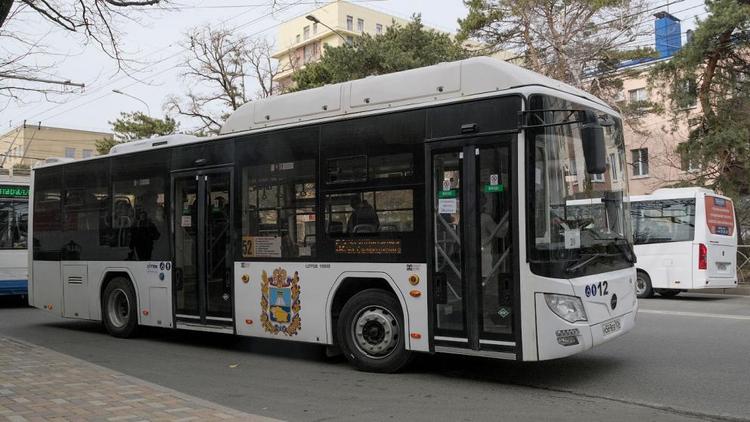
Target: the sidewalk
pixel 38 384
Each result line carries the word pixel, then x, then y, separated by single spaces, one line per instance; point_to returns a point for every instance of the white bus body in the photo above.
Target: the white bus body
pixel 685 239
pixel 252 233
pixel 14 194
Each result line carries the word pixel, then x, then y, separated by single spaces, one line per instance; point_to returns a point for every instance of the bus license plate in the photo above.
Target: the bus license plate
pixel 610 327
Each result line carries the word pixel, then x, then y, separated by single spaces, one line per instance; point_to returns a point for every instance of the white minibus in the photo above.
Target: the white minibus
pixel 685 238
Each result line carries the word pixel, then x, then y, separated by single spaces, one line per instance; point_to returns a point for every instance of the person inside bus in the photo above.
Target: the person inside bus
pixel 144 232
pixel 363 218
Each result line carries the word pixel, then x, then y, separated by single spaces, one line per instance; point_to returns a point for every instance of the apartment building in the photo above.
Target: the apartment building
pixel 652 138
pixel 27 144
pixel 301 40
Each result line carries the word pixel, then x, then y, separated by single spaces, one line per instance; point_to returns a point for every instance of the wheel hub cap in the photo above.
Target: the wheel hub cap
pixel 376 332
pixel 118 308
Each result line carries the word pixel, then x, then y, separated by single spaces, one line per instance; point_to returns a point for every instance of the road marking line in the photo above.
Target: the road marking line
pixel 695 314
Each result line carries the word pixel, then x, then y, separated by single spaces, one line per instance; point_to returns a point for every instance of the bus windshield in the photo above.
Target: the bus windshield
pixel 576 214
pixel 666 220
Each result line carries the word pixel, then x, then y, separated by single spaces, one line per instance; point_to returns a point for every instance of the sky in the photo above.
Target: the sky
pixel 153 40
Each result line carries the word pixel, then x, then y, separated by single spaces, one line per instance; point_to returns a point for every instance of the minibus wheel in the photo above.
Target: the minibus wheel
pixel 370 332
pixel 119 308
pixel 643 287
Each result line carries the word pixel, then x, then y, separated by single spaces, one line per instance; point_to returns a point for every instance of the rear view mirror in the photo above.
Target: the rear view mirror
pixel 592 138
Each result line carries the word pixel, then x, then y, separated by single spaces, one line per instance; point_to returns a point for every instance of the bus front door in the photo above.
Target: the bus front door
pixel 474 305
pixel 202 248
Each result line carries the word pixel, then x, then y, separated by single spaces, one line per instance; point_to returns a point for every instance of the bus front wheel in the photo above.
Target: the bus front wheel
pixel 370 332
pixel 643 287
pixel 119 308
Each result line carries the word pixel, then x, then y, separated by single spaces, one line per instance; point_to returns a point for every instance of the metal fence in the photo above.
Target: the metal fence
pixel 743 263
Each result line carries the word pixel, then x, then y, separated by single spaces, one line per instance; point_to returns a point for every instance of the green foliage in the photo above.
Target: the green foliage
pixel 136 125
pixel 713 69
pixel 575 41
pixel 399 48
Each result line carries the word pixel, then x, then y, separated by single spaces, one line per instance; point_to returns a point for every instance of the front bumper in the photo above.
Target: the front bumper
pixel 550 327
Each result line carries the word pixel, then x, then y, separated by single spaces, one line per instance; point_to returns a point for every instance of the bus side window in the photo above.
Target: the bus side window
pixel 278 209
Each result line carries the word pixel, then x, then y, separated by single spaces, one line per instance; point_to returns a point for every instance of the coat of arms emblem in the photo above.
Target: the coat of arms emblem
pixel 280 302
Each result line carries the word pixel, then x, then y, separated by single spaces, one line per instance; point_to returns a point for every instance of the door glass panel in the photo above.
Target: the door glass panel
pixel 448 243
pixel 496 276
pixel 186 246
pixel 219 291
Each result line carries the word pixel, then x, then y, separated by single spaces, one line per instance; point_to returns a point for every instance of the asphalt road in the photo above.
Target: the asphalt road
pixel 687 359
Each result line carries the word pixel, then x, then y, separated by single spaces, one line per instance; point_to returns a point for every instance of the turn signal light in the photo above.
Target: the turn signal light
pixel 145 312
pixel 416 336
pixel 413 279
pixel 702 257
pixel 249 321
pixel 415 293
pixel 245 278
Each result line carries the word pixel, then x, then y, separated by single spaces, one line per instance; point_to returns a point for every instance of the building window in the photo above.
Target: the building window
pixel 315 28
pixel 686 163
pixel 378 28
pixel 87 153
pixel 350 23
pixel 613 166
pixel 360 25
pixel 349 40
pixel 306 32
pixel 689 94
pixel 640 161
pixel 597 177
pixel 310 53
pixel 638 95
pixel 70 152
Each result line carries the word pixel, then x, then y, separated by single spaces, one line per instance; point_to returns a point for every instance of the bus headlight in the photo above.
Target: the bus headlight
pixel 569 308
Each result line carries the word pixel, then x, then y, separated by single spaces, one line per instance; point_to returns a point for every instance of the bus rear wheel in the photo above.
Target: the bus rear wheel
pixel 119 308
pixel 370 332
pixel 643 287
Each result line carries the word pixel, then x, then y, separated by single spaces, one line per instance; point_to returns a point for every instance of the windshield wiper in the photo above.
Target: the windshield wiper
pixel 626 249
pixel 577 265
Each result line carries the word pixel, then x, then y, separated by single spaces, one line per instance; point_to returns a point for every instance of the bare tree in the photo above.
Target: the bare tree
pixel 222 64
pixel 27 64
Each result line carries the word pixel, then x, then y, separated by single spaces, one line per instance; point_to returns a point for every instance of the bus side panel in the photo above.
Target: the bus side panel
pixel 13 273
pixel 291 300
pixel 667 264
pixel 47 286
pixel 152 284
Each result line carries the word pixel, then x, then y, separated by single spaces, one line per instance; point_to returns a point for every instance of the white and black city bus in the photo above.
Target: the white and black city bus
pixel 14 212
pixel 420 211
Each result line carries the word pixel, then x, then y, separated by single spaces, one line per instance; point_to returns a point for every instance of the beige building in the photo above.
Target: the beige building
pixel 652 138
pixel 301 40
pixel 27 144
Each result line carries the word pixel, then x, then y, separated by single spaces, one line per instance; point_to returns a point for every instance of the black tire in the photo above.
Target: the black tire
pixel 120 308
pixel 668 292
pixel 643 287
pixel 380 347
